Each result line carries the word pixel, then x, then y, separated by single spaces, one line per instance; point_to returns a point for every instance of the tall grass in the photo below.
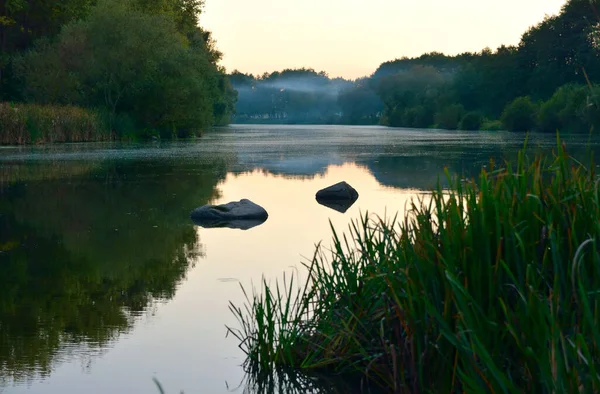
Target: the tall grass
pixel 34 124
pixel 491 286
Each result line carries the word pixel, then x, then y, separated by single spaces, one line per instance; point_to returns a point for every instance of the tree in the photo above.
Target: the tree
pixel 449 117
pixel 410 98
pixel 556 51
pixel 520 115
pixel 131 62
pixel 471 121
pixel 360 104
pixel 291 96
pixel 24 21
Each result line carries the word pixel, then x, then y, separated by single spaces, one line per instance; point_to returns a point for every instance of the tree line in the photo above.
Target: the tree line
pixel 146 65
pixel 546 82
pixel 289 96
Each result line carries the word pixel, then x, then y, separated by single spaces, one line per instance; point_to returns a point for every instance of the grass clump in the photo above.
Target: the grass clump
pixel 34 124
pixel 490 286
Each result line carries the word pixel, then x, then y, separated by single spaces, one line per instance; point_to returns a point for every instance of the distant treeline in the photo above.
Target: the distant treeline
pixel 546 82
pixel 140 67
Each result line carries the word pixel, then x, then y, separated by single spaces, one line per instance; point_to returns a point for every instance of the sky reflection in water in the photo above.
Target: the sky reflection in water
pixel 111 218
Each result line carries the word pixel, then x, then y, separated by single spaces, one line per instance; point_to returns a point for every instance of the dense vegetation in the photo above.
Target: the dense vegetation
pixel 489 286
pixel 139 67
pixel 289 96
pixel 29 123
pixel 546 82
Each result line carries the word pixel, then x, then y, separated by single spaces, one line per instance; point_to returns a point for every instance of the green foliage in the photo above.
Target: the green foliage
pixel 492 125
pixel 126 62
pixel 360 104
pixel 24 21
pixel 426 91
pixel 410 97
pixel 489 286
pixel 31 124
pixel 565 110
pixel 450 117
pixel 520 115
pixel 554 52
pixel 142 61
pixel 471 121
pixel 290 96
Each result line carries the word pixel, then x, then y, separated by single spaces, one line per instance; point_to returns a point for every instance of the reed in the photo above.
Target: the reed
pixel 491 285
pixel 22 124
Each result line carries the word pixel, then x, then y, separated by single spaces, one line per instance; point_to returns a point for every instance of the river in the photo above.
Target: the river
pixel 106 283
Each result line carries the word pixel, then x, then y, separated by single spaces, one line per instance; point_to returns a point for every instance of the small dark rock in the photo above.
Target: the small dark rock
pixel 339 191
pixel 339 197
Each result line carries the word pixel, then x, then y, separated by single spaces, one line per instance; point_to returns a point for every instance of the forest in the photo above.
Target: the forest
pixel 115 68
pixel 546 82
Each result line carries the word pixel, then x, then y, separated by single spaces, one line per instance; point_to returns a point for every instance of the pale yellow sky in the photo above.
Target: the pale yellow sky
pixel 350 38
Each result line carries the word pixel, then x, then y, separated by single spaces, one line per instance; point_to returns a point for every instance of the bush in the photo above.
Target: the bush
pixel 520 115
pixel 450 117
pixel 564 111
pixel 492 125
pixel 490 286
pixel 417 116
pixel 471 121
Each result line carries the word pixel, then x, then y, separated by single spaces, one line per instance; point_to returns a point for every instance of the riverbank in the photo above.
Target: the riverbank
pixel 488 286
pixel 22 124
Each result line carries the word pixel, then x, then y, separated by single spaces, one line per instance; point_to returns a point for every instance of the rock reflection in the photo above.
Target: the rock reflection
pixel 232 224
pixel 337 205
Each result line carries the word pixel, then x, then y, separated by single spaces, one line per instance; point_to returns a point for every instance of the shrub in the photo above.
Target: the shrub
pixel 490 286
pixel 564 111
pixel 492 125
pixel 417 116
pixel 450 117
pixel 471 121
pixel 520 115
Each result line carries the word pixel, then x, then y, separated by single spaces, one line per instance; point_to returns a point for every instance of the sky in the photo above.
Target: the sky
pixel 351 38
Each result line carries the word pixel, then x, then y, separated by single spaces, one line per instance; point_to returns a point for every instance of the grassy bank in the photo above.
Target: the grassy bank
pixel 36 124
pixel 490 286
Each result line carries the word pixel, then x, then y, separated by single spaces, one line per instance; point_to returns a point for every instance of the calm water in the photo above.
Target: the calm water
pixel 105 282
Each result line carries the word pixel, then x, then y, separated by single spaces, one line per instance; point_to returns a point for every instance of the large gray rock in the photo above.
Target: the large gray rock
pixel 243 214
pixel 339 191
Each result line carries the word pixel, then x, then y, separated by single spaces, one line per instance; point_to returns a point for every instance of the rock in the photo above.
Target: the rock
pixel 243 214
pixel 339 197
pixel 339 191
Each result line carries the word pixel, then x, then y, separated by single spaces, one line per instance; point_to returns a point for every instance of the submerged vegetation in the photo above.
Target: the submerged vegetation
pixel 488 286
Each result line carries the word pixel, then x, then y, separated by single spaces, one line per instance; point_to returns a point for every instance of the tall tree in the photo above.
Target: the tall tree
pixel 130 62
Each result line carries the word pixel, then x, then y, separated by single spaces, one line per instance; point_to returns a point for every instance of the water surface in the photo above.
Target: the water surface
pixel 106 283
